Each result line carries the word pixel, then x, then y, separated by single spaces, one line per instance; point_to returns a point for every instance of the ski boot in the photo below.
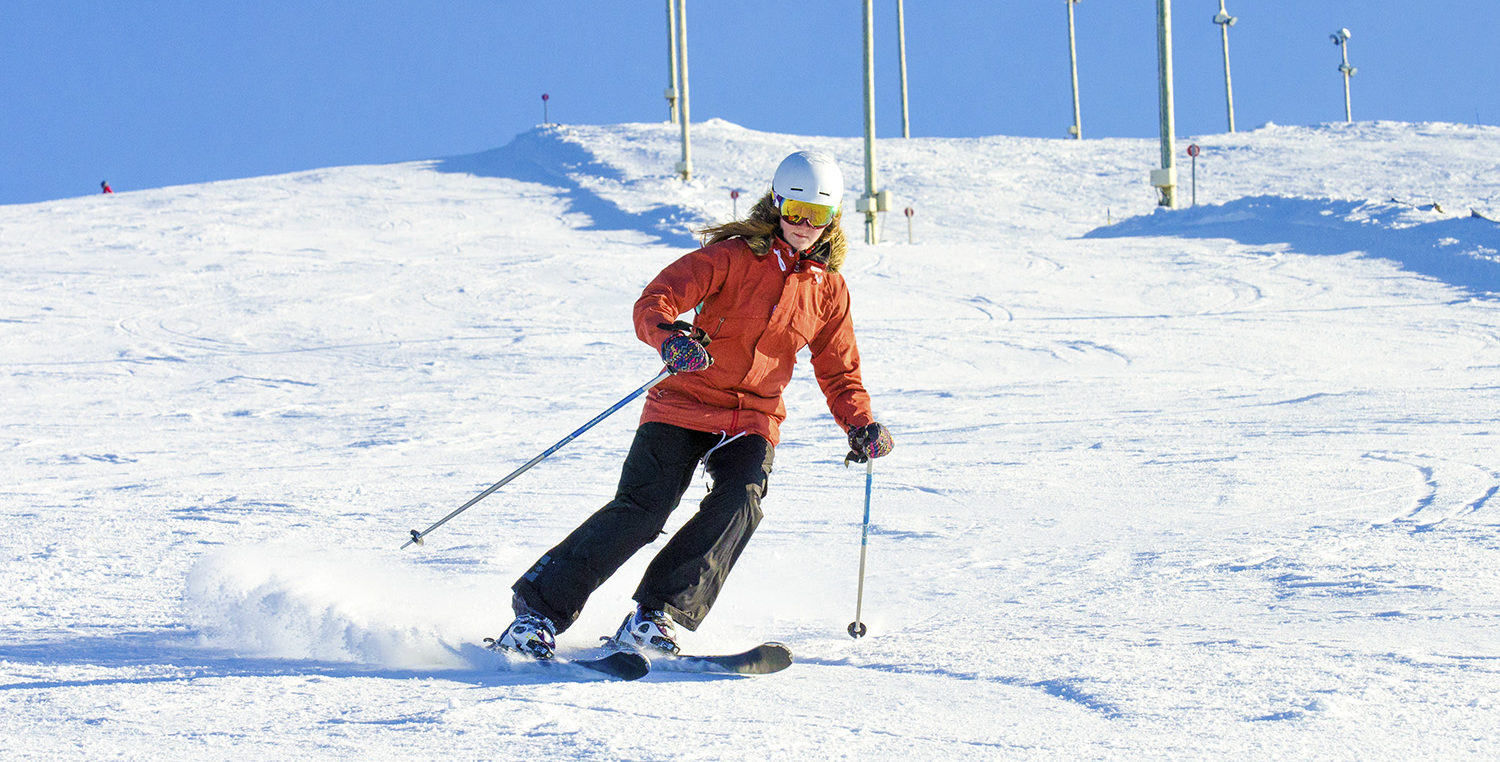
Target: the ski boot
pixel 648 629
pixel 530 635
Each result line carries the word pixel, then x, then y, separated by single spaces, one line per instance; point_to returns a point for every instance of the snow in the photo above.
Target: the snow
pixel 1208 483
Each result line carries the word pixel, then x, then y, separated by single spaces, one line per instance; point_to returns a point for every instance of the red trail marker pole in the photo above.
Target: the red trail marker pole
pixel 1193 151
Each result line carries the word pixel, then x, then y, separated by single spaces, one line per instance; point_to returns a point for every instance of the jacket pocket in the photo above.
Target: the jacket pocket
pixel 805 322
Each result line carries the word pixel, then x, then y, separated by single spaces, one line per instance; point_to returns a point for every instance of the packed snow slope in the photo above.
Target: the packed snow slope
pixel 1210 483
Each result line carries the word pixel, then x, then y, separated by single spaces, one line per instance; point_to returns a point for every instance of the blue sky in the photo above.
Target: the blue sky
pixel 165 92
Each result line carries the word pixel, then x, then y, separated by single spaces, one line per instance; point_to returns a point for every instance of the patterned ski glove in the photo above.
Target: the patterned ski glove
pixel 687 350
pixel 871 441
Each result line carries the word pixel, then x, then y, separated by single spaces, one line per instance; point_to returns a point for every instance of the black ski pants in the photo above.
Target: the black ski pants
pixel 686 575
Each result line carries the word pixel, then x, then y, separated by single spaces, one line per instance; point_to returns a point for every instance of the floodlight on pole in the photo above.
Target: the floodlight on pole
pixel 1224 20
pixel 1341 39
pixel 1077 128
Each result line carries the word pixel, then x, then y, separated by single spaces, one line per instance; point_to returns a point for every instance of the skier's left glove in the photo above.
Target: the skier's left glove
pixel 868 441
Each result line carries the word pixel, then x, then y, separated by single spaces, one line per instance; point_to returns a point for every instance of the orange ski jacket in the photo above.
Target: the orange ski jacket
pixel 759 311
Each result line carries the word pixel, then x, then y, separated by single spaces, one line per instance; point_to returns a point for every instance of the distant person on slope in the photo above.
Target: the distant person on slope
pixel 763 288
pixel 104 187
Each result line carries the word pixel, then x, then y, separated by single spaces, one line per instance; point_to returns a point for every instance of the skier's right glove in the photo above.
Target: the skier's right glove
pixel 868 441
pixel 686 351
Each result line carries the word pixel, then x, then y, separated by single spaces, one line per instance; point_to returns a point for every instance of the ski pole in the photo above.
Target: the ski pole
pixel 416 537
pixel 856 627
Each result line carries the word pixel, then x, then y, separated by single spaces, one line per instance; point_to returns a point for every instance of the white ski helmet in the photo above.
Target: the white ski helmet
pixel 810 176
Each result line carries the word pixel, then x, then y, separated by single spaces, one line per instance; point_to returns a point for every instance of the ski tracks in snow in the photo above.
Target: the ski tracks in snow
pixel 1444 491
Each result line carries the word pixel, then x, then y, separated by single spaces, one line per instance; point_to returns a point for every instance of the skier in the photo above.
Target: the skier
pixel 763 287
pixel 104 187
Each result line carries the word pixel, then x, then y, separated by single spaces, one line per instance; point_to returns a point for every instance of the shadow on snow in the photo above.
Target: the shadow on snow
pixel 544 157
pixel 180 649
pixel 1459 251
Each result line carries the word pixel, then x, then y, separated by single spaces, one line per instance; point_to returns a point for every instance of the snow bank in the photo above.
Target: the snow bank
pixel 1458 247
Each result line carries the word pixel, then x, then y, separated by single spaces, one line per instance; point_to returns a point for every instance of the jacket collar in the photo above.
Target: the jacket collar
pixel 812 260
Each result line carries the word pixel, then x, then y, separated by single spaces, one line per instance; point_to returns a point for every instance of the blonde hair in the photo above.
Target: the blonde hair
pixel 763 224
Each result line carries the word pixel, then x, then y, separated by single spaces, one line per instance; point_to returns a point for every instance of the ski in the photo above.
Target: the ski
pixel 760 660
pixel 620 665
